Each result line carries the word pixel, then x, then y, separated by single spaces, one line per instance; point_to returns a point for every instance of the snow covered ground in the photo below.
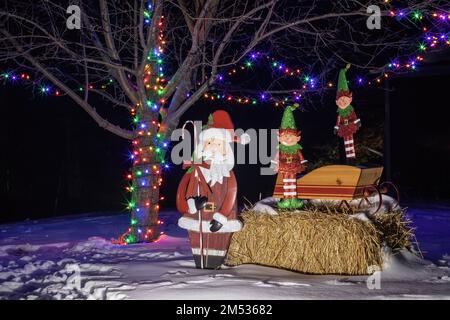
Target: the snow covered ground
pixel 72 258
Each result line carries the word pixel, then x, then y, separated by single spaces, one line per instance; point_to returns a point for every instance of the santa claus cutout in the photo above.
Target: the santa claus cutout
pixel 347 122
pixel 207 193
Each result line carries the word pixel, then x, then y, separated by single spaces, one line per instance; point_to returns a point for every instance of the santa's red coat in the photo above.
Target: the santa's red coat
pixel 222 207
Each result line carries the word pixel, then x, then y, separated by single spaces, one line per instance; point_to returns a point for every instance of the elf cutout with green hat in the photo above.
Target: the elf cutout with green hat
pixel 289 161
pixel 347 122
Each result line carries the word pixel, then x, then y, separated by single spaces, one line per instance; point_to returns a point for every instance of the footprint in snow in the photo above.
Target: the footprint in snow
pixel 186 263
pixel 288 283
pixel 443 279
pixel 155 284
pixel 179 285
pixel 174 273
pixel 263 284
pixel 221 275
pixel 281 284
pixel 337 282
pixel 199 281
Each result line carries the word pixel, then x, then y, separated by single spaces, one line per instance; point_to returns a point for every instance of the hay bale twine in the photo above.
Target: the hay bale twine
pixel 308 241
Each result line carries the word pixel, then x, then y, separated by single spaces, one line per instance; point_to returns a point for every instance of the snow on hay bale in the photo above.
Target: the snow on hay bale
pixel 318 242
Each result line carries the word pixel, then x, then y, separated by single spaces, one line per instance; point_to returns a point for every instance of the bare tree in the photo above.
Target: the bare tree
pixel 118 53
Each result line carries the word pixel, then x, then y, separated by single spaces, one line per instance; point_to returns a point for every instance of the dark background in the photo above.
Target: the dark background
pixel 55 160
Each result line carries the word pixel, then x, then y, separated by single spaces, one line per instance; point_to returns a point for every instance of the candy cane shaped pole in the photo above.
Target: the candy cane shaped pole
pixel 198 190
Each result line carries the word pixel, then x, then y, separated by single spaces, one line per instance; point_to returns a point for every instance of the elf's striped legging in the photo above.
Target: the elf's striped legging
pixel 289 186
pixel 349 145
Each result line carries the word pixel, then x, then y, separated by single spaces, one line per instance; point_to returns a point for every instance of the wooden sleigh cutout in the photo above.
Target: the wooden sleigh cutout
pixel 341 182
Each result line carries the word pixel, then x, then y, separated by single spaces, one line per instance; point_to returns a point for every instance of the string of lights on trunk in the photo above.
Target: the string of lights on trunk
pixel 149 147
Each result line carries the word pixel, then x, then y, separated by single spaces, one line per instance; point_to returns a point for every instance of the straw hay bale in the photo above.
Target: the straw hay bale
pixel 317 242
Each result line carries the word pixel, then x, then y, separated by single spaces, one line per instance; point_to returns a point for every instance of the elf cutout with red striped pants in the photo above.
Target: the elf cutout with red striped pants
pixel 347 122
pixel 289 161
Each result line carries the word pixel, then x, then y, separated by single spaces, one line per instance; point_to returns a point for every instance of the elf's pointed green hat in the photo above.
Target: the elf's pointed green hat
pixel 342 89
pixel 288 120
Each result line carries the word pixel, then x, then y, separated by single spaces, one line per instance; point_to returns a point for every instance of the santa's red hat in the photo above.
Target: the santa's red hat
pixel 220 126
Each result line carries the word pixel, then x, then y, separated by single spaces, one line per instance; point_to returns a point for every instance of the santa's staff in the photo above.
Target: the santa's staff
pixel 201 201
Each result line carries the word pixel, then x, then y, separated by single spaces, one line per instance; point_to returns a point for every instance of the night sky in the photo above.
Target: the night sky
pixel 55 160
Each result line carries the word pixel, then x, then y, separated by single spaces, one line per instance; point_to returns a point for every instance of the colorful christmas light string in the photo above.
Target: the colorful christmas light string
pixel 309 83
pixel 144 171
pixel 430 41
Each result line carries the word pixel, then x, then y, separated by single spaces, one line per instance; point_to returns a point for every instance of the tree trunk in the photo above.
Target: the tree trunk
pixel 148 159
pixel 148 144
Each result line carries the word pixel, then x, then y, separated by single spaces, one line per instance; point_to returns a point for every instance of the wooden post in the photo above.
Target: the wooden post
pixel 387 132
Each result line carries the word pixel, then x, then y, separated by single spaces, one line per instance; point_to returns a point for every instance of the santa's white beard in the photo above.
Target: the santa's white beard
pixel 220 165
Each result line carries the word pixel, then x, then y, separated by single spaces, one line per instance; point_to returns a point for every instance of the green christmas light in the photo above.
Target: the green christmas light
pixel 133 222
pixel 136 119
pixel 417 15
pixel 131 205
pixel 131 238
pixel 254 102
pixel 422 46
pixel 248 64
pixel 139 173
